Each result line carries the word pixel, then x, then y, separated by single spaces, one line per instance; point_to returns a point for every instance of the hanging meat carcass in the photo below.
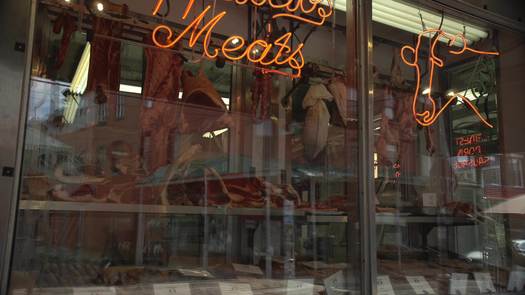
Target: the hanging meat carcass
pixel 104 65
pixel 203 109
pixel 67 24
pixel 161 92
pixel 387 144
pixel 337 88
pixel 261 94
pixel 315 133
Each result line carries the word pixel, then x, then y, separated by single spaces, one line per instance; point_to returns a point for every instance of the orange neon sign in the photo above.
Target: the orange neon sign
pixel 235 48
pixel 428 116
pixel 290 6
pixel 473 162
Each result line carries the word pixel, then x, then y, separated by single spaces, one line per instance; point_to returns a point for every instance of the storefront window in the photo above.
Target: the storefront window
pixel 224 162
pixel 222 147
pixel 449 157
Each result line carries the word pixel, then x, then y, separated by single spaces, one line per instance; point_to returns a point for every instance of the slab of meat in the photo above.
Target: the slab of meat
pixel 261 94
pixel 407 133
pixel 281 193
pixel 163 73
pixel 161 87
pixel 203 109
pixel 387 145
pixel 245 192
pixel 209 190
pixel 65 23
pixel 228 190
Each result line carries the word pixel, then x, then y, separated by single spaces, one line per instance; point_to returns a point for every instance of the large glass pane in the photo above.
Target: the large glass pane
pixel 224 162
pixel 448 152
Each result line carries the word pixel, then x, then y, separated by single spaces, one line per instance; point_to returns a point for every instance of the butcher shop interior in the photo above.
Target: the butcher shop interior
pixel 270 147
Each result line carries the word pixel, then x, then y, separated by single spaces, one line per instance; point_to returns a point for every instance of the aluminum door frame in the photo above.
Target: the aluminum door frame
pixel 17 18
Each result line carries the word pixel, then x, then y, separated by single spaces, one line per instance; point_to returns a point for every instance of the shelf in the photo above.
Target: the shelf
pixel 327 219
pixel 392 219
pixel 403 220
pixel 148 209
pixel 318 217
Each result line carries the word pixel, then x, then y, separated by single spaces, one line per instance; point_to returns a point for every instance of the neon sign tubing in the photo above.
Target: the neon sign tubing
pixel 427 118
pixel 235 63
pixel 295 59
pixel 288 6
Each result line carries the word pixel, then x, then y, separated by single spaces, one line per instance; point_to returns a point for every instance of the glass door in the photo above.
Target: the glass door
pixel 448 162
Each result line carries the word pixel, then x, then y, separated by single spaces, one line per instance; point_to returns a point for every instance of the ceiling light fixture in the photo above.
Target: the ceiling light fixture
pixel 407 17
pixel 78 85
pixel 100 6
pixel 130 88
pixel 215 133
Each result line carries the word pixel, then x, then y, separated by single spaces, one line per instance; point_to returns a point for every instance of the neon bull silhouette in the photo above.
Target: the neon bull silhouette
pixel 410 56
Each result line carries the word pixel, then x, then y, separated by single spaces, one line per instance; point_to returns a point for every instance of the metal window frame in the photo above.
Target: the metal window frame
pixel 365 94
pixel 361 11
pixel 5 269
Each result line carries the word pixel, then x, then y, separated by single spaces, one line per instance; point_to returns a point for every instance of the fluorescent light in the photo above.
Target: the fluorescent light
pixel 407 17
pixel 130 88
pixel 79 82
pixel 226 100
pixel 78 85
pixel 214 133
pixel 426 91
pixel 100 6
pixel 468 94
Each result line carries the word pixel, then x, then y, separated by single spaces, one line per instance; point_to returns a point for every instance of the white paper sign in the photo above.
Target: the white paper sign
pixel 335 284
pixel 384 286
pixel 420 285
pixel 516 281
pixel 235 289
pixel 458 284
pixel 171 289
pixel 300 287
pixel 95 291
pixel 253 269
pixel 484 282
